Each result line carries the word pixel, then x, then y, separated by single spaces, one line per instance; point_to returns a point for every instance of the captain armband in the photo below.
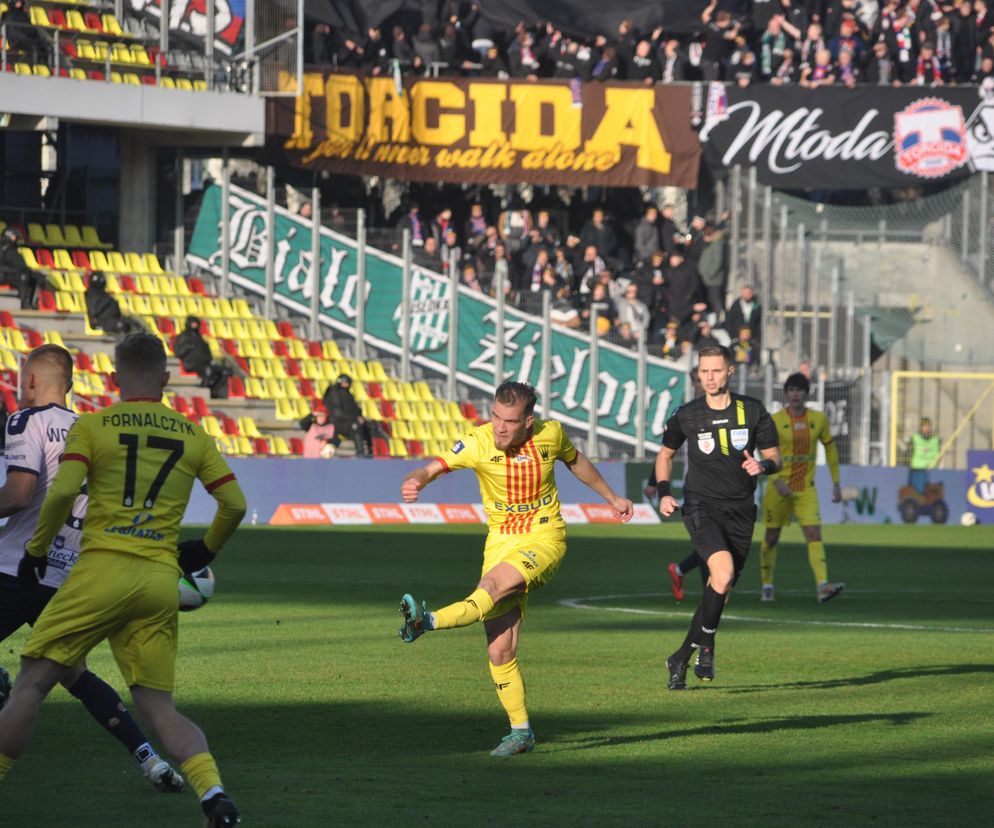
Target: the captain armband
pixel 767 466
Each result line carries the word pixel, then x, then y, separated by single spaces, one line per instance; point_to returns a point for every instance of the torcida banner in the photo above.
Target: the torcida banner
pixel 487 131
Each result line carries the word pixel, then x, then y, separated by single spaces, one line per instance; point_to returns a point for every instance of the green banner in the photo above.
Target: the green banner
pixel 429 323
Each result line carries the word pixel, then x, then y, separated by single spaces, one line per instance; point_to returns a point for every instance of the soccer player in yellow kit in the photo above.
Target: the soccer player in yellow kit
pixel 792 491
pixel 514 456
pixel 139 459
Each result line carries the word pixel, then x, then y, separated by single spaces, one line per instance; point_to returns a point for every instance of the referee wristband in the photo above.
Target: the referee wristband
pixel 767 466
pixel 663 489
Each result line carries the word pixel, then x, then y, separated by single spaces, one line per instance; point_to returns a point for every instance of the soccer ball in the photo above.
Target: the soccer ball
pixel 968 519
pixel 195 589
pixel 849 494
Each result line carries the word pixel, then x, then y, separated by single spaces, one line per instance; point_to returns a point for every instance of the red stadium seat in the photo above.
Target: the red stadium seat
pixel 381 449
pixel 196 286
pixel 92 21
pixel 415 448
pixel 387 409
pixel 260 445
pixel 280 349
pixel 127 282
pixel 44 257
pixel 296 445
pixel 80 259
pixel 375 390
pixel 469 411
pixel 292 367
pixel 229 425
pixel 236 387
pixel 95 74
pixel 314 349
pixel 166 325
pixel 83 362
pixel 58 19
pixel 9 401
pixel 385 427
pixel 7 320
pixel 34 338
pixel 285 329
pixel 46 301
pixel 306 388
pixel 200 407
pixel 181 405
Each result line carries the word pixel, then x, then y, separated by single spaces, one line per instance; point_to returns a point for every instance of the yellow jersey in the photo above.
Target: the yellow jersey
pixel 799 437
pixel 139 459
pixel 518 487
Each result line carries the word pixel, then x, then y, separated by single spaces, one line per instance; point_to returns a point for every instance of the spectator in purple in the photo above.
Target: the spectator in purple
pixel 411 220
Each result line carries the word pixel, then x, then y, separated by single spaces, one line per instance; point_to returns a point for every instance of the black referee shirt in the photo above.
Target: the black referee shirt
pixel 716 441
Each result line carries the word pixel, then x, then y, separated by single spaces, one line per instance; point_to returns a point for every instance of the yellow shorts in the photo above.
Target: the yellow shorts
pixel 777 510
pixel 536 557
pixel 130 601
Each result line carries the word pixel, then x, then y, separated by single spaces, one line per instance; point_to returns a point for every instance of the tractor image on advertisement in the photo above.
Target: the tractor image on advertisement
pixel 930 502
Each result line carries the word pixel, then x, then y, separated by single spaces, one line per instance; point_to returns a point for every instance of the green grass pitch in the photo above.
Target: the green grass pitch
pixel 874 709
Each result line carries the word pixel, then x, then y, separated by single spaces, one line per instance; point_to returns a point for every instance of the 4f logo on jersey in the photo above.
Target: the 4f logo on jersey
pixel 740 438
pixel 459 446
pixel 705 442
pixel 530 560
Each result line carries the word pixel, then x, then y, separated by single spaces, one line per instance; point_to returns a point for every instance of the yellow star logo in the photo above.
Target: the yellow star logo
pixel 985 474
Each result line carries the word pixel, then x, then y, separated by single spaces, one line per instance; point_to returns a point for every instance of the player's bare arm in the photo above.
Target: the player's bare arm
pixel 419 478
pixel 587 473
pixel 16 492
pixel 664 468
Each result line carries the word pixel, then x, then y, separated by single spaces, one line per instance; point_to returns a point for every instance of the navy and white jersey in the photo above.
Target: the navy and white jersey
pixel 36 438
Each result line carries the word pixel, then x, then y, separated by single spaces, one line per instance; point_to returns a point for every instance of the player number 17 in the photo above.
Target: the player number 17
pixel 130 441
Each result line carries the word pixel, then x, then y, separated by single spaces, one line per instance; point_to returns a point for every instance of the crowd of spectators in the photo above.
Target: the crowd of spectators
pixel 807 42
pixel 655 278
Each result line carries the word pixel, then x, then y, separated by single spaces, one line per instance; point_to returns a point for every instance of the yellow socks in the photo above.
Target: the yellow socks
pixel 767 562
pixel 511 691
pixel 464 613
pixel 6 763
pixel 816 557
pixel 201 770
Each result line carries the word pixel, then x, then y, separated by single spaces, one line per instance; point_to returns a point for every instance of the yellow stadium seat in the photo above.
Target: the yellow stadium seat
pixel 397 448
pixel 259 368
pixel 141 305
pixel 455 429
pixel 92 240
pixel 136 264
pixel 253 328
pixel 119 53
pixel 112 26
pixel 270 331
pixel 329 348
pixel 40 70
pixel 152 264
pixel 248 347
pixel 440 411
pixel 297 349
pixel 77 74
pixel 370 410
pixel 22 68
pixel 101 48
pixel 402 429
pixel 98 260
pixel 36 234
pixel 241 308
pixel 184 84
pixel 200 85
pixel 405 411
pixel 148 285
pixel 377 371
pixel 245 446
pixel 8 360
pixel 163 285
pixel 309 369
pixel 167 82
pixel 117 262
pixel 102 362
pixel 179 285
pixel 139 56
pixel 276 368
pixel 286 409
pixel 219 327
pixel 39 17
pixel 132 79
pixel 58 280
pixel 116 77
pixel 248 427
pixel 255 389
pixel 54 338
pixel 176 306
pixel 69 303
pixel 423 391
pixel 239 329
pixel 158 306
pixel 437 430
pixel 212 309
pixel 29 257
pixel 74 21
pixel 62 260
pixel 212 426
pixel 74 281
pixel 279 446
pixel 84 49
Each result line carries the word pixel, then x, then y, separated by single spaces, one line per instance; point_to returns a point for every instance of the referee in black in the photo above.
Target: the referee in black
pixel 723 433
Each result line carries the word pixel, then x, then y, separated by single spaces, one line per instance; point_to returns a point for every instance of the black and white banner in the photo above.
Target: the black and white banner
pixel 840 138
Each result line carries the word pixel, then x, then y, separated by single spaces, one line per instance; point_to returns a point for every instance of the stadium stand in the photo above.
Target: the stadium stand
pixel 284 374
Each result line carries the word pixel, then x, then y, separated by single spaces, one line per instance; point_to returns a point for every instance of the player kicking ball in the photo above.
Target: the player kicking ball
pixel 514 457
pixel 791 492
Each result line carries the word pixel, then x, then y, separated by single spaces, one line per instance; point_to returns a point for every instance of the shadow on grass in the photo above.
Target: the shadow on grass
pixel 747 727
pixel 880 677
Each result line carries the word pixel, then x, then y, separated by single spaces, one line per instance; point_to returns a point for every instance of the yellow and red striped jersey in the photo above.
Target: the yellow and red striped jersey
pixel 799 438
pixel 518 487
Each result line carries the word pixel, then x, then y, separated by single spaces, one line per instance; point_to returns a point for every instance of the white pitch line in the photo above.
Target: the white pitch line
pixel 580 603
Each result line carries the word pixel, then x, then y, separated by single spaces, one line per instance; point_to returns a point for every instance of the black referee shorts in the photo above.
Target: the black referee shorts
pixel 20 606
pixel 714 527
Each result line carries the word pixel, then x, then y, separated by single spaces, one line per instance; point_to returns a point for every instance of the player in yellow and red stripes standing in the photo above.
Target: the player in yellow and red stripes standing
pixel 792 490
pixel 514 456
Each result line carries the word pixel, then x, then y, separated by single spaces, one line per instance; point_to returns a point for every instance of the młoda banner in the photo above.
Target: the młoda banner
pixel 488 131
pixel 838 138
pixel 430 312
